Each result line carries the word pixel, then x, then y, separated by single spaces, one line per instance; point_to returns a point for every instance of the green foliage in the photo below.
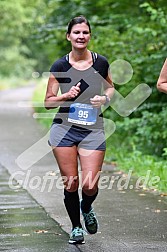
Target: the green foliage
pixel 17 18
pixel 134 31
pixel 140 164
pixel 33 34
pixel 136 161
pixel 147 133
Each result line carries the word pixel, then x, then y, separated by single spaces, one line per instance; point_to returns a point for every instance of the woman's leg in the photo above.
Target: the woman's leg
pixel 91 167
pixel 67 160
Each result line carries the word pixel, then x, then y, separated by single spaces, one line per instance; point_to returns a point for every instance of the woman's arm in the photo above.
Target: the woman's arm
pixel 109 87
pixel 162 81
pixel 52 100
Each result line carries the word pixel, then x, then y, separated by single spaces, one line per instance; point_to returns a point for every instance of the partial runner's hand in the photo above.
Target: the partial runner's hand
pixel 74 91
pixel 97 101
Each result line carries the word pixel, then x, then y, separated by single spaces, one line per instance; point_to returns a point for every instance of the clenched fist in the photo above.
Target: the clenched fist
pixel 74 91
pixel 97 101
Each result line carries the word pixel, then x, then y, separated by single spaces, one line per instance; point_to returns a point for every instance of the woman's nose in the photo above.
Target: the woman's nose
pixel 81 35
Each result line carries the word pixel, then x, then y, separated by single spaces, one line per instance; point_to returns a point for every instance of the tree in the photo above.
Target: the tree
pixel 17 19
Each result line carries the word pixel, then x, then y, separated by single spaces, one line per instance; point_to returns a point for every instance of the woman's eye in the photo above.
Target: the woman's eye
pixel 84 32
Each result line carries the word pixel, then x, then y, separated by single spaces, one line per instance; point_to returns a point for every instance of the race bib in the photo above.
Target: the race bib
pixel 83 114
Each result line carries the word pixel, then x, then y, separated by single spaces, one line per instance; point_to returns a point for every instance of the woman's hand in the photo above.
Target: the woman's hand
pixel 73 92
pixel 97 101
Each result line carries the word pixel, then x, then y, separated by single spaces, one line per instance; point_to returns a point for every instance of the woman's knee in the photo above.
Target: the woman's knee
pixel 71 184
pixel 90 184
pixel 89 189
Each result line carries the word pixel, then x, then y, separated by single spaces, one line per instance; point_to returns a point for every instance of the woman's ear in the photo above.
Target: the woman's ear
pixel 68 37
pixel 90 37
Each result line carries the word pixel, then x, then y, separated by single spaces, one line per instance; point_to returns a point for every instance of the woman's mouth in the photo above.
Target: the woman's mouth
pixel 80 42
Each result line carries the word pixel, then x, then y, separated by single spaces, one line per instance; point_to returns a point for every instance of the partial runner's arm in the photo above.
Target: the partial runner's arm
pixel 162 81
pixel 52 99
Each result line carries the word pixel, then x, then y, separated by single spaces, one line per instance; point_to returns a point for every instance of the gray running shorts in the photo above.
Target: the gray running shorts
pixel 65 136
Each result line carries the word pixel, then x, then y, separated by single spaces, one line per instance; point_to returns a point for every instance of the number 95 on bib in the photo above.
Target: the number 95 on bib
pixel 84 114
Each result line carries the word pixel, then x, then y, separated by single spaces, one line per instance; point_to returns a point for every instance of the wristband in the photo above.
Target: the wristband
pixel 107 99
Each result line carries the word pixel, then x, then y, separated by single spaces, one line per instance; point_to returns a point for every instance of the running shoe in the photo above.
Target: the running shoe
pixel 77 236
pixel 91 222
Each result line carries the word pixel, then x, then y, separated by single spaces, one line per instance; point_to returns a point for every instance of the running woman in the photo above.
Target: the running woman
pixel 77 131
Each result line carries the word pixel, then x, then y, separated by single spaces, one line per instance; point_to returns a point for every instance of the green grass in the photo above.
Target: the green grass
pixel 136 161
pixel 14 82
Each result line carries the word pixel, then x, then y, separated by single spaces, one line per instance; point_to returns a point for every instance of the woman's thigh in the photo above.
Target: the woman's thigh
pixel 91 166
pixel 68 164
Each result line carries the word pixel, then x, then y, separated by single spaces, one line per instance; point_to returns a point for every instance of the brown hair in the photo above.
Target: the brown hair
pixel 77 20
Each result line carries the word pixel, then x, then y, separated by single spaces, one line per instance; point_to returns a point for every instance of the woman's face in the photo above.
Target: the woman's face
pixel 79 36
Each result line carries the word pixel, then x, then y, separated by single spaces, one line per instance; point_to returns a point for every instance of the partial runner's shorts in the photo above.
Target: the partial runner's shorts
pixel 65 136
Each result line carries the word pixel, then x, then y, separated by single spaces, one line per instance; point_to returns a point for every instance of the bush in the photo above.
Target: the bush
pixel 147 133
